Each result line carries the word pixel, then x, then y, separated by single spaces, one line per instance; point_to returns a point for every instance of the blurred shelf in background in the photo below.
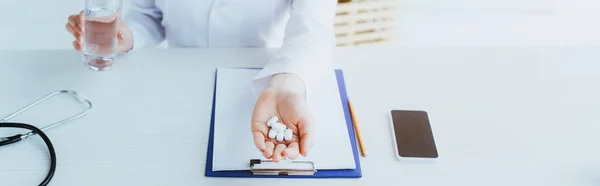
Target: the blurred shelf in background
pixel 365 22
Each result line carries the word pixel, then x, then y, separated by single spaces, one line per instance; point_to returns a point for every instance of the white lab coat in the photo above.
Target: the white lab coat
pixel 302 28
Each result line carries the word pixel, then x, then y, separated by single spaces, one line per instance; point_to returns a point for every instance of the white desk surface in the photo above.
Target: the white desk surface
pixel 501 116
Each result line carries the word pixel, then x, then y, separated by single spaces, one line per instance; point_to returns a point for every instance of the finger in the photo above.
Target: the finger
pixel 75 23
pixel 292 151
pixel 259 131
pixel 76 45
pixel 259 125
pixel 77 37
pixel 269 147
pixel 73 20
pixel 79 19
pixel 76 33
pixel 70 29
pixel 259 140
pixel 259 128
pixel 277 153
pixel 306 131
pixel 306 142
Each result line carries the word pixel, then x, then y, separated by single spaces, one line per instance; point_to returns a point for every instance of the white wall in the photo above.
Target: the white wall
pixel 420 23
pixel 499 22
pixel 19 30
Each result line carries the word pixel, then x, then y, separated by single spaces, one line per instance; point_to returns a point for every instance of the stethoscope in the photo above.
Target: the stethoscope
pixel 40 131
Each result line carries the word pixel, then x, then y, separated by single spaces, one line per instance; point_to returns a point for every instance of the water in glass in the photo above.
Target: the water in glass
pixel 99 41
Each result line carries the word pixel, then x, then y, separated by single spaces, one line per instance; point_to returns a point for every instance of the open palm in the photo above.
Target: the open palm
pixel 292 110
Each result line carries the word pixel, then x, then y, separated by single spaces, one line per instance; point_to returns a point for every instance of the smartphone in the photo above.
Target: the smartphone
pixel 413 137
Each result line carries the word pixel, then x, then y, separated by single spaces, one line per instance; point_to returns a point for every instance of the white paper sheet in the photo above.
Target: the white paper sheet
pixel 233 142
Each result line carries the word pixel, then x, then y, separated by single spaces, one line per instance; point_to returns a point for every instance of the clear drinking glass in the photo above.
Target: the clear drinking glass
pixel 99 41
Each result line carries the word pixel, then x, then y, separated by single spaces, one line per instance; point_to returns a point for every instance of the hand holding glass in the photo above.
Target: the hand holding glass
pixel 99 42
pixel 99 34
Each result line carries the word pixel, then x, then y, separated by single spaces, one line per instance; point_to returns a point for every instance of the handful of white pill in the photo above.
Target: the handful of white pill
pixel 278 130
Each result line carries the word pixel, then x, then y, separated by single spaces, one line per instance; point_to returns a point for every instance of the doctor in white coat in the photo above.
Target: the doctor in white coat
pixel 302 29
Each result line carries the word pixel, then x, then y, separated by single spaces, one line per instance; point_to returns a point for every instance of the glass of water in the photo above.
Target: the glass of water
pixel 99 41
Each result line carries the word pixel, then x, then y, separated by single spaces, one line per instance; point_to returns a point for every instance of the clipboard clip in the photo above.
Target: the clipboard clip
pixel 283 168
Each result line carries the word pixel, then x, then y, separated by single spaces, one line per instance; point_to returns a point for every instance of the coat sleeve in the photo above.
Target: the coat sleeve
pixel 308 44
pixel 144 20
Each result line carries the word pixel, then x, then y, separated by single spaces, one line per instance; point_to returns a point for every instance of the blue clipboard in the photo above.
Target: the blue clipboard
pixel 342 173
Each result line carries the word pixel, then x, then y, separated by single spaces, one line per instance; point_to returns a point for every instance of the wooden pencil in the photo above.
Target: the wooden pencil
pixel 357 129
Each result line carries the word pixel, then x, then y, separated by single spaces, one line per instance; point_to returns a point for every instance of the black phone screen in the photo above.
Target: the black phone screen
pixel 413 134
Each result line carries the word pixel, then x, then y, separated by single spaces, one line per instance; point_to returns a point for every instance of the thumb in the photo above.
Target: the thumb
pixel 120 35
pixel 307 137
pixel 125 37
pixel 123 46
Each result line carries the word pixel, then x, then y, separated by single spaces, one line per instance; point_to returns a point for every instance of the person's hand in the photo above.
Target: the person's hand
pixel 285 99
pixel 75 24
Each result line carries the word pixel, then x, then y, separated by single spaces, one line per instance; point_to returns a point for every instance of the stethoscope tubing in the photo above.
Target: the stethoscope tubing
pixel 46 140
pixel 40 131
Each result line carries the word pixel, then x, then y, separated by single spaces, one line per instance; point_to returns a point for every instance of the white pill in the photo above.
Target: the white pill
pixel 279 126
pixel 287 134
pixel 272 133
pixel 272 121
pixel 280 135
